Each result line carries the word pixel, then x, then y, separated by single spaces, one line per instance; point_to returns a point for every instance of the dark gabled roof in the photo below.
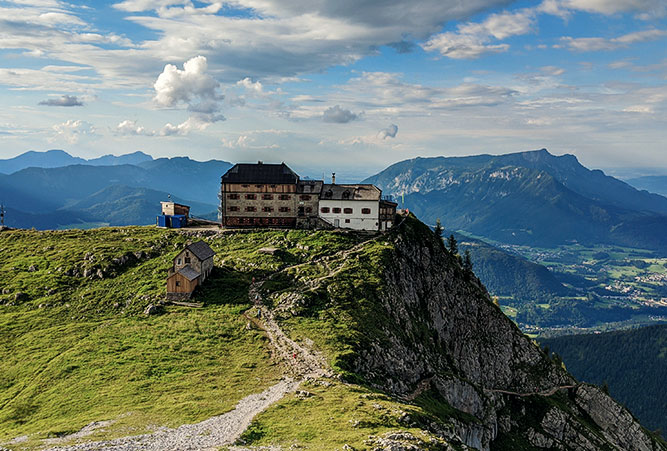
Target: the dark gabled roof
pixel 271 174
pixel 201 250
pixel 188 272
pixel 350 192
pixel 309 186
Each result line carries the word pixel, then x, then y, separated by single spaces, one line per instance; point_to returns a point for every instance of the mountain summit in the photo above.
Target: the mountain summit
pixel 529 197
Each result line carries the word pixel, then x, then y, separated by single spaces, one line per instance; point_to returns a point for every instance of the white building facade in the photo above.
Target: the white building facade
pixel 354 207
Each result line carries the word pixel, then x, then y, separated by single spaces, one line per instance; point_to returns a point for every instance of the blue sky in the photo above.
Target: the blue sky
pixel 342 85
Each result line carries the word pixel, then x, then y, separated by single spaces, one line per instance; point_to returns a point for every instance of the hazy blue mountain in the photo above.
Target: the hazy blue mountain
pixel 63 186
pixel 506 274
pixel 124 205
pixel 58 158
pixel 528 198
pixel 186 178
pixel 632 362
pixel 120 194
pixel 42 221
pixel 653 183
pixel 113 160
pixel 49 159
pixel 429 174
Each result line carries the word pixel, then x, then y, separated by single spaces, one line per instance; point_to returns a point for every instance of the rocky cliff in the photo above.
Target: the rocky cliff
pixel 425 327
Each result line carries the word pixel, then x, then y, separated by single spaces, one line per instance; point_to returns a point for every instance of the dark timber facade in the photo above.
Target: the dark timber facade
pixel 259 194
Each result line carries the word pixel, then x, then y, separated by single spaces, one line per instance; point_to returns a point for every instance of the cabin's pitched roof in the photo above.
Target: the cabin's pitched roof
pixel 272 174
pixel 188 272
pixel 201 250
pixel 350 192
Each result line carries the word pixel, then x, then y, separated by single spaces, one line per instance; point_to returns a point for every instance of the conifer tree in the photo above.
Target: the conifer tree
pixel 438 229
pixel 467 261
pixel 451 244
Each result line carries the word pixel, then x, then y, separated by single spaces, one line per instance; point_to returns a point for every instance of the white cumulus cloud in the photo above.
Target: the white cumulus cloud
pixel 73 130
pixel 131 128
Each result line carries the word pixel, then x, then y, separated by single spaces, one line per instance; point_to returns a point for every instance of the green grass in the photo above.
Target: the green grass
pixel 76 349
pixel 337 415
pixel 180 367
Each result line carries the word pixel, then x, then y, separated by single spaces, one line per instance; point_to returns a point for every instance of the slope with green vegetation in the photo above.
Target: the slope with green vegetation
pixel 418 352
pixel 633 364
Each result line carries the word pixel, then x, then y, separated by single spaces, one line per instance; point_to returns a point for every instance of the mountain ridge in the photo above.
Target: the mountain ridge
pixel 58 158
pixel 520 199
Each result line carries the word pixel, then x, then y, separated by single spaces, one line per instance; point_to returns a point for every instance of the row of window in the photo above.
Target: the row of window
pixel 258 186
pixel 265 209
pixel 347 211
pixel 235 196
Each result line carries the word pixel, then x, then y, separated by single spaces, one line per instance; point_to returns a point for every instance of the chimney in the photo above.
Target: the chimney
pixel 333 178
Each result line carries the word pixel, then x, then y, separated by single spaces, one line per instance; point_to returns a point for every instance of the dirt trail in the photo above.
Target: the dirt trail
pixel 302 361
pixel 210 434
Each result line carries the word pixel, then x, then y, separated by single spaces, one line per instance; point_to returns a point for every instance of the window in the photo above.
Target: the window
pixel 250 208
pixel 284 197
pixel 309 209
pixel 251 196
pixel 245 186
pixel 347 221
pixel 365 211
pixel 232 196
pixel 284 209
pixel 267 196
pixel 324 210
pixel 187 260
pixel 178 283
pixel 267 209
pixel 347 211
pixel 273 186
pixel 304 197
pixel 233 208
pixel 178 261
pixel 336 210
pixel 259 186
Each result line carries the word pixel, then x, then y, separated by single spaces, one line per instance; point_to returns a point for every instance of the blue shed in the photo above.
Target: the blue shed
pixel 178 221
pixel 162 221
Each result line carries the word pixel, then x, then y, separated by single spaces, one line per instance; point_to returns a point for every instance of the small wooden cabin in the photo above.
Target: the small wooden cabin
pixel 181 283
pixel 190 268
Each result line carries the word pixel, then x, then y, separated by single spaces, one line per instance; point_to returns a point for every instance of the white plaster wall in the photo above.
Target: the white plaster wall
pixel 358 221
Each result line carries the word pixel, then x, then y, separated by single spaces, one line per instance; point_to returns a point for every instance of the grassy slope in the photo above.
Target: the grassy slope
pixel 88 354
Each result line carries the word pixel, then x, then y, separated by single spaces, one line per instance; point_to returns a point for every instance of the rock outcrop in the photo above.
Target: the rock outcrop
pixel 436 331
pixel 444 326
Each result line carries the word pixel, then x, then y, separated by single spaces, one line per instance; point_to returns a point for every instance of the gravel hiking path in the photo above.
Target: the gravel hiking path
pixel 210 434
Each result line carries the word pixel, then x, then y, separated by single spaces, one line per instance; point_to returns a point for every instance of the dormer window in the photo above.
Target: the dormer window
pixel 346 194
pixel 329 194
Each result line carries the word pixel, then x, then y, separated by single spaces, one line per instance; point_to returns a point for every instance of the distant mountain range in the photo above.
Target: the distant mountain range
pixel 57 158
pixel 106 190
pixel 532 198
pixel 653 183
